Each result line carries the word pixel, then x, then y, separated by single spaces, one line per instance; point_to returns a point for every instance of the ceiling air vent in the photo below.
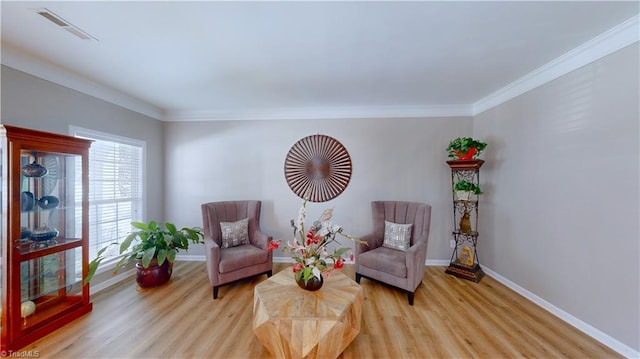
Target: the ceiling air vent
pixel 59 21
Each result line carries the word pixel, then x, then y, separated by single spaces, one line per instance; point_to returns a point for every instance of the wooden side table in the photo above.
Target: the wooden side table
pixel 294 323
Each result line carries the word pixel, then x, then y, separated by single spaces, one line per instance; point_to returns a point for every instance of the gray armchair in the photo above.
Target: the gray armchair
pixel 226 265
pixel 401 269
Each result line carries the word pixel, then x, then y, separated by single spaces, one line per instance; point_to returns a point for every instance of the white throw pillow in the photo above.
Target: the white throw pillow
pixel 397 236
pixel 235 233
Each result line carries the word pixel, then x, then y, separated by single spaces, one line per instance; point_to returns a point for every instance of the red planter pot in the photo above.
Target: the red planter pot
pixel 154 275
pixel 466 155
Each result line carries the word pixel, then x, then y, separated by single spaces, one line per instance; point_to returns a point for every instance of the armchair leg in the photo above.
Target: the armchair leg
pixel 215 292
pixel 358 276
pixel 269 274
pixel 410 295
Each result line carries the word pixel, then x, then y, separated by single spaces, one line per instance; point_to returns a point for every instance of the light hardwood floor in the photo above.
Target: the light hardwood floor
pixel 451 318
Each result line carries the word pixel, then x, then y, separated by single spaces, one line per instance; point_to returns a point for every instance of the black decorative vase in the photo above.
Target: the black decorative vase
pixel 312 284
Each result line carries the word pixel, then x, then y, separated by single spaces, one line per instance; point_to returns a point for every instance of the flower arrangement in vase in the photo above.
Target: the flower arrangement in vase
pixel 310 248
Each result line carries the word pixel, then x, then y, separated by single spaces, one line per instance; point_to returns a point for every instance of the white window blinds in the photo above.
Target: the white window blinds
pixel 116 188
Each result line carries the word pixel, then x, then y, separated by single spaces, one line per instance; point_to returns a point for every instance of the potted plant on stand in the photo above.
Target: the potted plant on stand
pixel 465 189
pixel 465 148
pixel 153 247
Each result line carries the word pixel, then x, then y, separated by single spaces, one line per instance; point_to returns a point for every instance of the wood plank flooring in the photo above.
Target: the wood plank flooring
pixel 451 318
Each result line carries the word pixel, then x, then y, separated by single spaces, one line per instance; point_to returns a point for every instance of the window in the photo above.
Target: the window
pixel 116 188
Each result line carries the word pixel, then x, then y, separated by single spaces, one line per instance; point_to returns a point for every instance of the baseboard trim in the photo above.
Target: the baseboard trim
pixel 591 331
pixel 437 262
pixel 191 258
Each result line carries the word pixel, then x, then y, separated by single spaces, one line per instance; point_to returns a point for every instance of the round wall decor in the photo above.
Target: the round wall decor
pixel 317 167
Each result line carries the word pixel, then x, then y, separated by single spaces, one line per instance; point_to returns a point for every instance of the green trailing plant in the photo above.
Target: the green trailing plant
pixel 465 148
pixel 464 185
pixel 152 240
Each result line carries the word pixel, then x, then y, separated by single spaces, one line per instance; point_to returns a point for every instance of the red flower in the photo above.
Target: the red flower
pixel 273 245
pixel 351 257
pixel 339 263
pixel 297 267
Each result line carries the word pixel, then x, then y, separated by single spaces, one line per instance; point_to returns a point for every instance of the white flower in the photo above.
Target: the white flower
pixel 329 228
pixel 310 261
pixel 301 216
pixel 316 272
pixel 324 229
pixel 295 245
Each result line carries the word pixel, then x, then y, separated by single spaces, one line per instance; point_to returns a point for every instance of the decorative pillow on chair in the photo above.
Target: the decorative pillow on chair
pixel 235 233
pixel 397 236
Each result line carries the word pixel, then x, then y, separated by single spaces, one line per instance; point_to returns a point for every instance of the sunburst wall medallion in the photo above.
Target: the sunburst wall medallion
pixel 319 167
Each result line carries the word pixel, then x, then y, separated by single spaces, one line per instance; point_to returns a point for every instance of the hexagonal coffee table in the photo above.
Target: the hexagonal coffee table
pixel 294 323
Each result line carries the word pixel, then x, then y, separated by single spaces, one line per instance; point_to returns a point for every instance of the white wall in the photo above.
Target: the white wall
pixel 31 102
pixel 560 212
pixel 402 159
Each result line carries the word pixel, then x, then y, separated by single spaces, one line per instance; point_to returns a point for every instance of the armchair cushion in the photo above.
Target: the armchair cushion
pixel 238 257
pixel 386 260
pixel 397 236
pixel 235 233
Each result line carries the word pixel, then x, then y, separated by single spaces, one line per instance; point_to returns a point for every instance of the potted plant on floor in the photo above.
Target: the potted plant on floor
pixel 154 247
pixel 465 148
pixel 465 189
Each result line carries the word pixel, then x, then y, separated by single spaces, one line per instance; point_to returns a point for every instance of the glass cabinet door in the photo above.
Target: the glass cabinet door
pixel 49 284
pixel 50 234
pixel 50 200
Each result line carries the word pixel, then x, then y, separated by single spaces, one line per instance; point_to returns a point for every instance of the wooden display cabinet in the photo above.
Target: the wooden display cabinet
pixel 464 259
pixel 44 218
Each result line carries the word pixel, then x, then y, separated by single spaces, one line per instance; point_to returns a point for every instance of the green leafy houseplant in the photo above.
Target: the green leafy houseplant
pixel 464 185
pixel 465 148
pixel 155 241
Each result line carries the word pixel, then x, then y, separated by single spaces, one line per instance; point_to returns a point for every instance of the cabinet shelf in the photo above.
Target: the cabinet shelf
pixel 465 202
pixel 40 209
pixel 29 251
pixel 48 306
pixel 465 234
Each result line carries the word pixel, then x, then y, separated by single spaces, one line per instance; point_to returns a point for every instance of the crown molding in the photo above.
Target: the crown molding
pixel 602 45
pixel 24 62
pixel 314 113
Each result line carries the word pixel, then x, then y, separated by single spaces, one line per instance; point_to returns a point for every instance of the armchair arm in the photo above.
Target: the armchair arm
pixel 212 254
pixel 361 248
pixel 260 239
pixel 416 256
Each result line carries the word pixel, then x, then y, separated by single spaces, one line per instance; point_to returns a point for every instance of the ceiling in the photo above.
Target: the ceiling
pixel 179 60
